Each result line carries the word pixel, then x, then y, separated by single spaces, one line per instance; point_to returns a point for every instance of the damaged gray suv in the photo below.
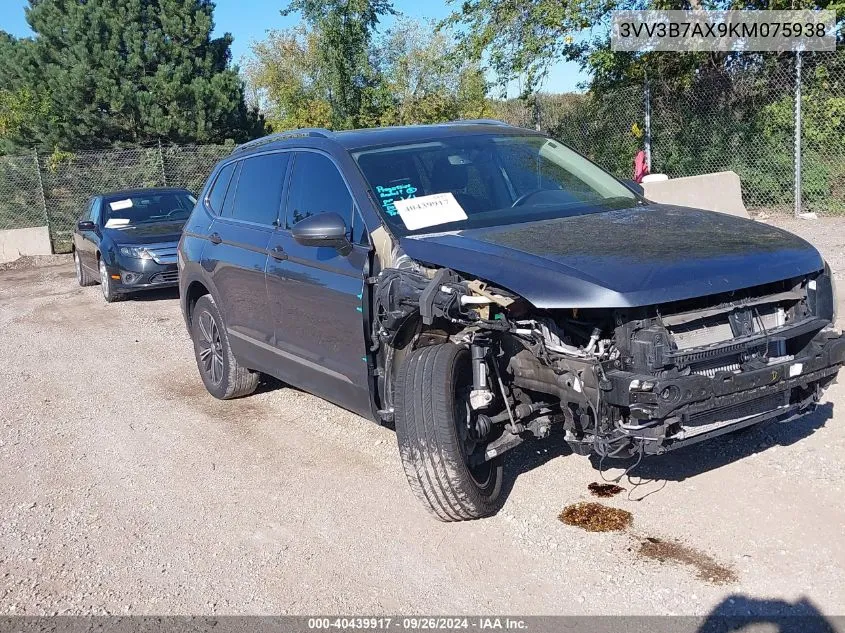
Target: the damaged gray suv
pixel 476 284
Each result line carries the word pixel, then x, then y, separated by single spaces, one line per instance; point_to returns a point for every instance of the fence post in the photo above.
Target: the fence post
pixel 797 162
pixel 161 163
pixel 43 195
pixel 647 109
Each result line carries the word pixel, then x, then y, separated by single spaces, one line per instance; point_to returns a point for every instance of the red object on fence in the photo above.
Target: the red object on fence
pixel 640 166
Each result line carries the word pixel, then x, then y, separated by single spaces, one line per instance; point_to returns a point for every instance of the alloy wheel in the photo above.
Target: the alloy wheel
pixel 210 348
pixel 104 279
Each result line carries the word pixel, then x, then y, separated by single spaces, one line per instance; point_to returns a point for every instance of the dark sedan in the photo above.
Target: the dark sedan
pixel 126 240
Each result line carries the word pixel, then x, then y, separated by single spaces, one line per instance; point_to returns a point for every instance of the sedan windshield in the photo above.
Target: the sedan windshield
pixel 474 181
pixel 146 208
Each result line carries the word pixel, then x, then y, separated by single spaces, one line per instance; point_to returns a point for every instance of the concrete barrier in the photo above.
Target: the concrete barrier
pixel 720 192
pixel 16 243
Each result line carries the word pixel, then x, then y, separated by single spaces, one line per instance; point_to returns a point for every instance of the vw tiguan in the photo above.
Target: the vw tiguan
pixel 475 284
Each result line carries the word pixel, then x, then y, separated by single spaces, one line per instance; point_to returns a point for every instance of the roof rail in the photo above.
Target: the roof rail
pixel 280 136
pixel 482 122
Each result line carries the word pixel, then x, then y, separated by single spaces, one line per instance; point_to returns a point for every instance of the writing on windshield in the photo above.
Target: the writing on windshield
pixel 494 178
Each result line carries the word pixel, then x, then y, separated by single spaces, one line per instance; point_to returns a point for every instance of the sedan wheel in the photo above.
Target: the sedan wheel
pixel 82 275
pixel 106 285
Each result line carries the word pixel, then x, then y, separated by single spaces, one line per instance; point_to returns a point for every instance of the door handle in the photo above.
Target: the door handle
pixel 215 238
pixel 277 252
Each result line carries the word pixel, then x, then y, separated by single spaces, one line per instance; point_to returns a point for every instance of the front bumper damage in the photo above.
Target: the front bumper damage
pixel 621 381
pixel 666 413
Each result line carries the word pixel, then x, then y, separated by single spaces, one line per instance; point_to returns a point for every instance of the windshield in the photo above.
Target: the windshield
pixel 475 181
pixel 146 208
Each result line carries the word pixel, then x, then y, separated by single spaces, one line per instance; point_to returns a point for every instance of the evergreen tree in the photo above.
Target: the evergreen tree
pixel 111 72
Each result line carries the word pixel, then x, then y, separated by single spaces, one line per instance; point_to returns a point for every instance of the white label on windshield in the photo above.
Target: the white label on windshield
pixel 117 205
pixel 425 211
pixel 113 222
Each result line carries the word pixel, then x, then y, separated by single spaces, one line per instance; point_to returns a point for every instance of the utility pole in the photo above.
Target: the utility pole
pixel 161 163
pixel 647 109
pixel 43 194
pixel 797 165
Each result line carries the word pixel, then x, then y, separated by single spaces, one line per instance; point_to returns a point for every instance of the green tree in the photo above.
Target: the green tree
pixel 346 29
pixel 411 79
pixel 522 39
pixel 286 78
pixel 425 83
pixel 127 72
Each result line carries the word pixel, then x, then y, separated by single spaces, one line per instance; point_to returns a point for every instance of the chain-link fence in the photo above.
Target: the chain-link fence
pixel 744 120
pixel 38 189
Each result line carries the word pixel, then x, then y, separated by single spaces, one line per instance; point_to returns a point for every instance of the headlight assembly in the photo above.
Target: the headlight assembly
pixel 139 252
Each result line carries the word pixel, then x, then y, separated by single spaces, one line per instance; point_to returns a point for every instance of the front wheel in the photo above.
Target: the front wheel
pixel 107 285
pixel 435 442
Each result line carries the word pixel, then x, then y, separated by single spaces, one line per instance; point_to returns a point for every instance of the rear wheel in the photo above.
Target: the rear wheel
pixel 221 373
pixel 82 275
pixel 433 428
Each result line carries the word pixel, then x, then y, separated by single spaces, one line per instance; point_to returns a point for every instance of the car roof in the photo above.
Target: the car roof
pixel 373 137
pixel 354 140
pixel 128 193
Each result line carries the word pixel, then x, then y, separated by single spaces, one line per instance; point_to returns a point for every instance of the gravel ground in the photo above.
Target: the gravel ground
pixel 126 489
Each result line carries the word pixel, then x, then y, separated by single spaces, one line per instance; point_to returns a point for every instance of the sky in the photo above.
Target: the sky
pixel 249 20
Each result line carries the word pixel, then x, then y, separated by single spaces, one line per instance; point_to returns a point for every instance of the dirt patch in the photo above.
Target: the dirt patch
pixel 604 490
pixel 241 411
pixel 35 261
pixel 595 517
pixel 707 568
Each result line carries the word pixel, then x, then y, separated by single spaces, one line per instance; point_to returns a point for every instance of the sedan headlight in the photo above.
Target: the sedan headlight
pixel 139 252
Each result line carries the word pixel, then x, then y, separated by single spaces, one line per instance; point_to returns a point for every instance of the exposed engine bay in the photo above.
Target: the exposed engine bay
pixel 620 381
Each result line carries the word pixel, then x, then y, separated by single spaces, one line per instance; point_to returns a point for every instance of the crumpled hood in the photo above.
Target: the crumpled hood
pixel 153 233
pixel 630 257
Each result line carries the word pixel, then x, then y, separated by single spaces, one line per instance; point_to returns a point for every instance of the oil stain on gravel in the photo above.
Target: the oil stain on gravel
pixel 604 490
pixel 595 517
pixel 707 569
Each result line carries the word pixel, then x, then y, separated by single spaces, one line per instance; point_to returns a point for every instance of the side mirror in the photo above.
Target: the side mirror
pixel 86 225
pixel 323 229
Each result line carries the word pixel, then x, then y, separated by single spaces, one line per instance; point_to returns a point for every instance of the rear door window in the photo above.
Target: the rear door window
pixel 317 187
pixel 229 200
pixel 259 189
pixel 217 194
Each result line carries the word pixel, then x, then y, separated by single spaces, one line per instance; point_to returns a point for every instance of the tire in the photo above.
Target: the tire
pixel 222 375
pixel 428 414
pixel 83 277
pixel 107 285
